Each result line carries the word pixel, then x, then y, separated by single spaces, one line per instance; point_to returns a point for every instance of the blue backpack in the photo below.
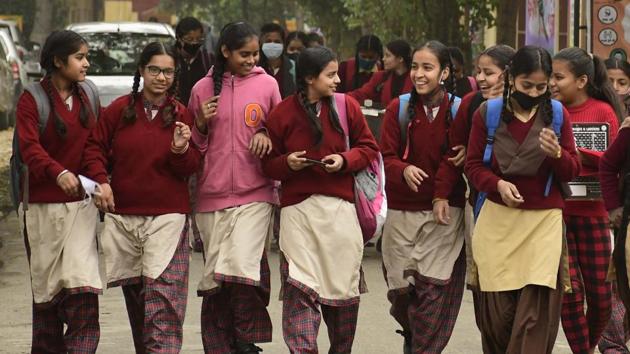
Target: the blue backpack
pixel 403 114
pixel 493 118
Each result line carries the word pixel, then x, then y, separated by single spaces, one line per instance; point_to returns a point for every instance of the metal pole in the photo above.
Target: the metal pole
pixel 576 23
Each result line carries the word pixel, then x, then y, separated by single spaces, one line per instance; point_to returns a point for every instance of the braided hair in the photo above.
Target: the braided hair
pixel 598 85
pixel 311 63
pixel 60 45
pixel 168 114
pixel 233 37
pixel 441 52
pixel 527 60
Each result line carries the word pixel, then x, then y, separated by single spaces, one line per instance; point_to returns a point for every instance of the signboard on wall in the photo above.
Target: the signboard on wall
pixel 540 23
pixel 611 28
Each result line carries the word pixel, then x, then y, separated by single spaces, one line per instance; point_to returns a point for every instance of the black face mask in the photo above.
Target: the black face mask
pixel 293 56
pixel 526 101
pixel 191 48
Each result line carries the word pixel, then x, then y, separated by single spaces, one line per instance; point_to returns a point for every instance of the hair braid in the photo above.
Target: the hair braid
pixel 316 124
pixel 169 114
pixel 217 76
pixel 506 96
pixel 60 126
pixel 334 116
pixel 129 116
pixel 84 116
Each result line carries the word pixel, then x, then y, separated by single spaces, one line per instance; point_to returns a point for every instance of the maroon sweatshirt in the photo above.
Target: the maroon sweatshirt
pixel 146 177
pixel 426 151
pixel 290 131
pixel 49 154
pixel 610 167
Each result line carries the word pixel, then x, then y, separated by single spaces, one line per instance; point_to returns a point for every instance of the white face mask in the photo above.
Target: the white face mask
pixel 272 50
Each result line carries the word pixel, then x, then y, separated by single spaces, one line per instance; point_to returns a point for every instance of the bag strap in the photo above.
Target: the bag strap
pixel 473 83
pixel 556 124
pixel 340 101
pixel 41 100
pixel 493 118
pixel 455 106
pixel 92 94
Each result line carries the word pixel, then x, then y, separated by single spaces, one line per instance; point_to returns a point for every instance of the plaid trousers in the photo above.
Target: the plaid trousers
pixel 156 307
pixel 236 312
pixel 615 335
pixel 588 241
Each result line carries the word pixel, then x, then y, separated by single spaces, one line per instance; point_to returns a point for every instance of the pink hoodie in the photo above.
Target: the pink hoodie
pixel 231 175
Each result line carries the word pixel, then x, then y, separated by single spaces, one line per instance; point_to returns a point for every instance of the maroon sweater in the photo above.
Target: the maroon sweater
pixel 380 88
pixel 49 154
pixel 426 141
pixel 531 188
pixel 610 167
pixel 146 177
pixel 290 131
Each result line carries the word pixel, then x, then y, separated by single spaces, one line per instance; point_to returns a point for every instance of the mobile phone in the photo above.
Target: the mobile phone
pixel 316 162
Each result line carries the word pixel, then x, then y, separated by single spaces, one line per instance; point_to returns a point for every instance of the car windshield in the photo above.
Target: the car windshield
pixel 118 53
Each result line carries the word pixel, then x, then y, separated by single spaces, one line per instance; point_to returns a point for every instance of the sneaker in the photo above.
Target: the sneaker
pixel 247 348
pixel 407 349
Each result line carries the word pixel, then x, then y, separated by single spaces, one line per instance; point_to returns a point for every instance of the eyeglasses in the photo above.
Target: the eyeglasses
pixel 155 71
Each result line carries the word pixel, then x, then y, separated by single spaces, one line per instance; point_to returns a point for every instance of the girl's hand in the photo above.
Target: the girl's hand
pixel 414 177
pixel 549 143
pixel 207 110
pixel 69 183
pixel 181 135
pixel 441 212
pixel 296 162
pixel 615 217
pixel 104 200
pixel 458 159
pixel 509 194
pixel 260 145
pixel 333 163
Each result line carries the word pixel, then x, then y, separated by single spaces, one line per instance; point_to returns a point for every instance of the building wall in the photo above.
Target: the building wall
pixel 119 10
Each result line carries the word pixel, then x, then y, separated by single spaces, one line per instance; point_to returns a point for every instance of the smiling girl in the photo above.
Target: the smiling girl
pixel 321 259
pixel 517 240
pixel 235 199
pixel 59 228
pixel 142 139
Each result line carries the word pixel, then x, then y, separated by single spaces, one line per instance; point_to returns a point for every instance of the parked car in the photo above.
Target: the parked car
pixel 28 52
pixel 114 52
pixel 18 74
pixel 7 93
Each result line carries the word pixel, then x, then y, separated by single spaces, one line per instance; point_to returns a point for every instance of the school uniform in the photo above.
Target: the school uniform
pixel 145 240
pixel 321 259
pixel 612 167
pixel 424 262
pixel 347 72
pixel 59 231
pixel 285 76
pixel 518 250
pixel 235 202
pixel 383 87
pixel 191 71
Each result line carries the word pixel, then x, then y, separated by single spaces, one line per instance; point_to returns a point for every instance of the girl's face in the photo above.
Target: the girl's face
pixel 534 84
pixel 76 66
pixel 390 61
pixel 158 74
pixel 564 85
pixel 272 37
pixel 489 76
pixel 620 81
pixel 295 46
pixel 326 83
pixel 426 73
pixel 368 55
pixel 241 61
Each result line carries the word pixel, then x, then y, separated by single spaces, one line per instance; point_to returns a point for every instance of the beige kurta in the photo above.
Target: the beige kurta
pixel 414 242
pixel 136 246
pixel 514 247
pixel 234 241
pixel 63 251
pixel 322 242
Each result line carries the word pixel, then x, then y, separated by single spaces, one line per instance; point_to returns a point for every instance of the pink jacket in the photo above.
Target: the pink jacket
pixel 231 175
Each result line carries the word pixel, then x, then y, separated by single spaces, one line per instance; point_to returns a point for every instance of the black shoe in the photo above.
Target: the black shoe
pixel 247 348
pixel 407 346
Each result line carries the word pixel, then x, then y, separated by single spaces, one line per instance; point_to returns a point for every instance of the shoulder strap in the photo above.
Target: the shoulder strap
pixel 92 94
pixel 455 107
pixel 558 117
pixel 43 105
pixel 339 105
pixel 493 117
pixel 292 70
pixel 403 117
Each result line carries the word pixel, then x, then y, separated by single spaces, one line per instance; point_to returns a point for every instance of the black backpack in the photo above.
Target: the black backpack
pixel 19 170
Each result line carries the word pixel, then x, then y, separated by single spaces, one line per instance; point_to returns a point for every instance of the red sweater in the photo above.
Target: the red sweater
pixel 610 167
pixel 48 155
pixel 290 131
pixel 380 88
pixel 146 177
pixel 531 188
pixel 346 73
pixel 426 142
pixel 592 111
